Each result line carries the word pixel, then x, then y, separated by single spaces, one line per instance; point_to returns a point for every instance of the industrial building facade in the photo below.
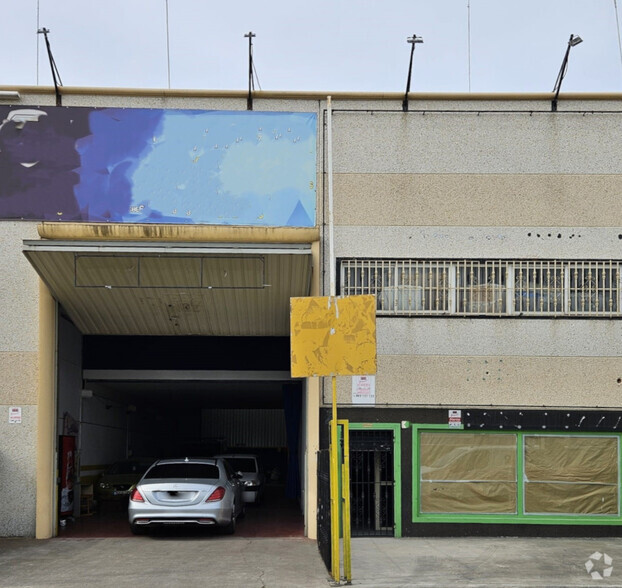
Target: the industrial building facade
pixel 487 227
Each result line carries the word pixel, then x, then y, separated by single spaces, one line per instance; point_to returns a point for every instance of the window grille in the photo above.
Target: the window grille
pixel 530 288
pixel 402 286
pixel 538 287
pixel 481 287
pixel 593 288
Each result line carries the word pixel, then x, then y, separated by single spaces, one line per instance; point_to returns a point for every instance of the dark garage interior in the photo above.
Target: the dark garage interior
pixel 147 397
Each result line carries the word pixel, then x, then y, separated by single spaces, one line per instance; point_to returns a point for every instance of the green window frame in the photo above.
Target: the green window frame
pixel 520 516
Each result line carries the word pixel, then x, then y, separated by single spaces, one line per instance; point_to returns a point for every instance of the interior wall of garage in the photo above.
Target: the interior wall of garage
pixel 19 345
pixel 69 386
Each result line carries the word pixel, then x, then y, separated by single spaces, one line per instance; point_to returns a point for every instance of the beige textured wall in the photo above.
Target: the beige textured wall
pixel 477 143
pixel 495 380
pixel 19 313
pixel 480 242
pixel 591 200
pixel 487 185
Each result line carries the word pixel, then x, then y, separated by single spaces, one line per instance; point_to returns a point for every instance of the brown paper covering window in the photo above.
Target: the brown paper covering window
pixel 571 459
pixel 468 457
pixel 468 473
pixel 468 497
pixel 557 498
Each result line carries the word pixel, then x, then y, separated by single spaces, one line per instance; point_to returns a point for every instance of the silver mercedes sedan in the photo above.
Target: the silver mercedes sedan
pixel 187 491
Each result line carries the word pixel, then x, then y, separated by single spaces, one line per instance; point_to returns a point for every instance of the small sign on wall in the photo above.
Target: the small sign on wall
pixel 455 418
pixel 15 415
pixel 363 389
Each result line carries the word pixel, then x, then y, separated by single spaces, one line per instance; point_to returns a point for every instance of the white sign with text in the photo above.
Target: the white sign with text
pixel 363 389
pixel 15 415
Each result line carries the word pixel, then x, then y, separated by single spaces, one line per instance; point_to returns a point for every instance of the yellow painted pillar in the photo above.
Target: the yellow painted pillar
pixel 46 417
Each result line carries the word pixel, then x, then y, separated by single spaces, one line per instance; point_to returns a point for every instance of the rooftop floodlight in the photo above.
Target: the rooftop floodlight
pixel 413 41
pixel 9 95
pixel 573 41
pixel 22 116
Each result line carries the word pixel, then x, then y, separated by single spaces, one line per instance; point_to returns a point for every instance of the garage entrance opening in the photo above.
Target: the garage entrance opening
pixel 145 398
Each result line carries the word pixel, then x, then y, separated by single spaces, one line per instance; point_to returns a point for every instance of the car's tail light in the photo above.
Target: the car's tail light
pixel 136 496
pixel 217 494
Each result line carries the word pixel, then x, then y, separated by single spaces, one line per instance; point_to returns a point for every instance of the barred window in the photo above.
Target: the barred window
pixel 401 286
pixel 407 287
pixel 538 287
pixel 593 288
pixel 481 287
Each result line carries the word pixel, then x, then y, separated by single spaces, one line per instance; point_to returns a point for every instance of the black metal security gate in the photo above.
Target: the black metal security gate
pixel 323 506
pixel 372 483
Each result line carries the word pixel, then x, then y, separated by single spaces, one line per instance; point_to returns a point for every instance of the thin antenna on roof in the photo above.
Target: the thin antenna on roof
pixel 469 39
pixel 37 43
pixel 615 5
pixel 251 81
pixel 55 75
pixel 168 51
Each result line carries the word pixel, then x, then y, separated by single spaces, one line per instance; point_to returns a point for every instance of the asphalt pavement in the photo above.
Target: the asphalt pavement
pixel 183 559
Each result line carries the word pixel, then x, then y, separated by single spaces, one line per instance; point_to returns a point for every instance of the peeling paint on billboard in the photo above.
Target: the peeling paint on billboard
pixel 158 166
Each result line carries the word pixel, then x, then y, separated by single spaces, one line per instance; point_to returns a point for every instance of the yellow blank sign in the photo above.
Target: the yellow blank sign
pixel 333 336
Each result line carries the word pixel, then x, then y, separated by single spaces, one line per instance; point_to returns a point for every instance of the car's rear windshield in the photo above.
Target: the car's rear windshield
pixel 242 464
pixel 184 470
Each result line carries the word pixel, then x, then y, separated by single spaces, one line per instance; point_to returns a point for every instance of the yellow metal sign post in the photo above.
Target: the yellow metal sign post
pixel 345 494
pixel 334 336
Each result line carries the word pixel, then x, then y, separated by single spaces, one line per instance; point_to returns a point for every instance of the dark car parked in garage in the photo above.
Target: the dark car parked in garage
pixel 115 483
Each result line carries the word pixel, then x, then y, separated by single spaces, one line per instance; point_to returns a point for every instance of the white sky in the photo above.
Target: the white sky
pixel 324 45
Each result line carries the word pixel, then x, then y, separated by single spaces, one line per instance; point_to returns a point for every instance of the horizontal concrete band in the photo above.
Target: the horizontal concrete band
pixel 502 381
pixel 499 337
pixel 176 233
pixel 402 199
pixel 186 93
pixel 480 242
pixel 464 142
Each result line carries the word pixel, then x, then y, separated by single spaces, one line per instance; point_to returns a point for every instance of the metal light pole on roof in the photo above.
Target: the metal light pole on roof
pixel 562 71
pixel 55 75
pixel 413 41
pixel 251 83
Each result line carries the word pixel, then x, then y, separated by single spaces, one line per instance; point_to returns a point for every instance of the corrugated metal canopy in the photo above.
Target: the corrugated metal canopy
pixel 115 288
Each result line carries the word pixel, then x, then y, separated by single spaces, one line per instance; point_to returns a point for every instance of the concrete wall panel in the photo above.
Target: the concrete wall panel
pixel 484 242
pixel 499 337
pixel 19 289
pixel 477 200
pixel 18 384
pixel 17 472
pixel 500 381
pixel 477 143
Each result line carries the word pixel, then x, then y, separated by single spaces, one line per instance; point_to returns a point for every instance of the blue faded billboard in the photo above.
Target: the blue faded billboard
pixel 158 166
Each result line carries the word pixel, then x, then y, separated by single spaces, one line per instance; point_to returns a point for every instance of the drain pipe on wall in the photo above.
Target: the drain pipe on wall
pixel 334 468
pixel 329 181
